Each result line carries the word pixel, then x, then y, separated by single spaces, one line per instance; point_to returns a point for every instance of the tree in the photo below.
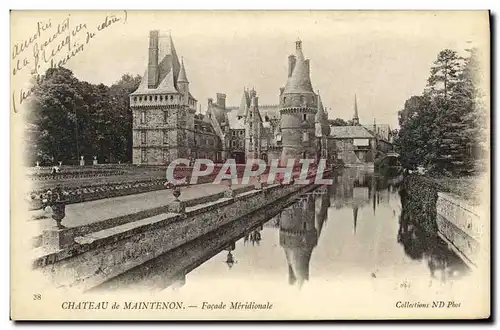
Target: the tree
pixel 442 129
pixel 445 73
pixel 340 122
pixel 416 123
pixel 69 118
pixel 52 115
pixel 120 103
pixel 452 101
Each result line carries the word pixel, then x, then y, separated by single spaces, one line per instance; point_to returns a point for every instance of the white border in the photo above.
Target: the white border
pixel 253 4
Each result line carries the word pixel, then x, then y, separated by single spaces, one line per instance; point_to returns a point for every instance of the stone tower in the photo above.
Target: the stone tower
pixel 298 237
pixel 162 107
pixel 298 107
pixel 253 128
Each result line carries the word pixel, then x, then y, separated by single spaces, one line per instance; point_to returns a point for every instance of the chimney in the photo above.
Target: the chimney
pixel 153 59
pixel 306 64
pixel 298 44
pixel 291 64
pixel 221 100
pixel 255 102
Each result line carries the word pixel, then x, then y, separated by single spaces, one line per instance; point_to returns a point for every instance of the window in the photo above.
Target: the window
pixel 156 98
pixel 242 132
pixel 233 144
pixel 143 155
pixel 135 98
pixel 250 139
pixel 143 117
pixel 171 97
pixel 165 137
pixel 304 117
pixel 305 136
pixel 161 97
pixel 233 133
pixel 266 118
pixel 150 98
pixel 165 116
pixel 140 98
pixel 143 137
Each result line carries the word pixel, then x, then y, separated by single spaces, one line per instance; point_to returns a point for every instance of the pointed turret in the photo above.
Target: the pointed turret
pixel 242 110
pixel 321 119
pixel 355 119
pixel 182 73
pixel 183 84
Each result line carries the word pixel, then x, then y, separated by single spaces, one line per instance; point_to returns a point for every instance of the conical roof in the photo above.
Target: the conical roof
pixel 299 81
pixel 182 73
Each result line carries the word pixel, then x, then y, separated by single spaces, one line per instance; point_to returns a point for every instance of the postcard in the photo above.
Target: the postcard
pixel 250 165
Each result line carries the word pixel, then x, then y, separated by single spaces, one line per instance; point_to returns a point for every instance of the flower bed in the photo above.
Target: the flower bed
pixel 74 174
pixel 97 191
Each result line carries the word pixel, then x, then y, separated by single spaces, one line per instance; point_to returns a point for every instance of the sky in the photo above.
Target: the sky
pixel 381 57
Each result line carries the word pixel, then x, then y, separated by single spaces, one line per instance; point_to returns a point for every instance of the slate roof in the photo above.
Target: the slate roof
pixel 350 132
pixel 168 69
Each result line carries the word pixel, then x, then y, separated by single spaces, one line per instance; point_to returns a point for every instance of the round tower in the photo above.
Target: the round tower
pixel 298 107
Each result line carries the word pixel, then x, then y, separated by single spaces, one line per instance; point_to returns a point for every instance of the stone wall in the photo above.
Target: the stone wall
pixel 459 224
pixel 443 214
pixel 99 256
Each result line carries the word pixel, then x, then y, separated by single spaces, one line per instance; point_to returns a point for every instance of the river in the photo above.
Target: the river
pixel 352 230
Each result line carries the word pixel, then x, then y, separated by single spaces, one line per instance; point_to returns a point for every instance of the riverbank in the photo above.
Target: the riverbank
pixel 440 208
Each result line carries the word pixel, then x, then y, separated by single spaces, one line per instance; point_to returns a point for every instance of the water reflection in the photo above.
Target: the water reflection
pixel 420 244
pixel 359 226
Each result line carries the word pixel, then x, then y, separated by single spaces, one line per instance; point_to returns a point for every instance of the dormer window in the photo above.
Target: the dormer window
pixel 135 98
pixel 156 98
pixel 150 98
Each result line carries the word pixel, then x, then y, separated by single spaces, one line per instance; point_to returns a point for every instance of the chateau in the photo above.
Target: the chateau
pixel 166 125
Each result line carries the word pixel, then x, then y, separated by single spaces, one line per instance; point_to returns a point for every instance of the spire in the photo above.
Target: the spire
pixel 182 74
pixel 355 216
pixel 355 119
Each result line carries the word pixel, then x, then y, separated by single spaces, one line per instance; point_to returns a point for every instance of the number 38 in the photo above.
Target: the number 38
pixel 37 296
